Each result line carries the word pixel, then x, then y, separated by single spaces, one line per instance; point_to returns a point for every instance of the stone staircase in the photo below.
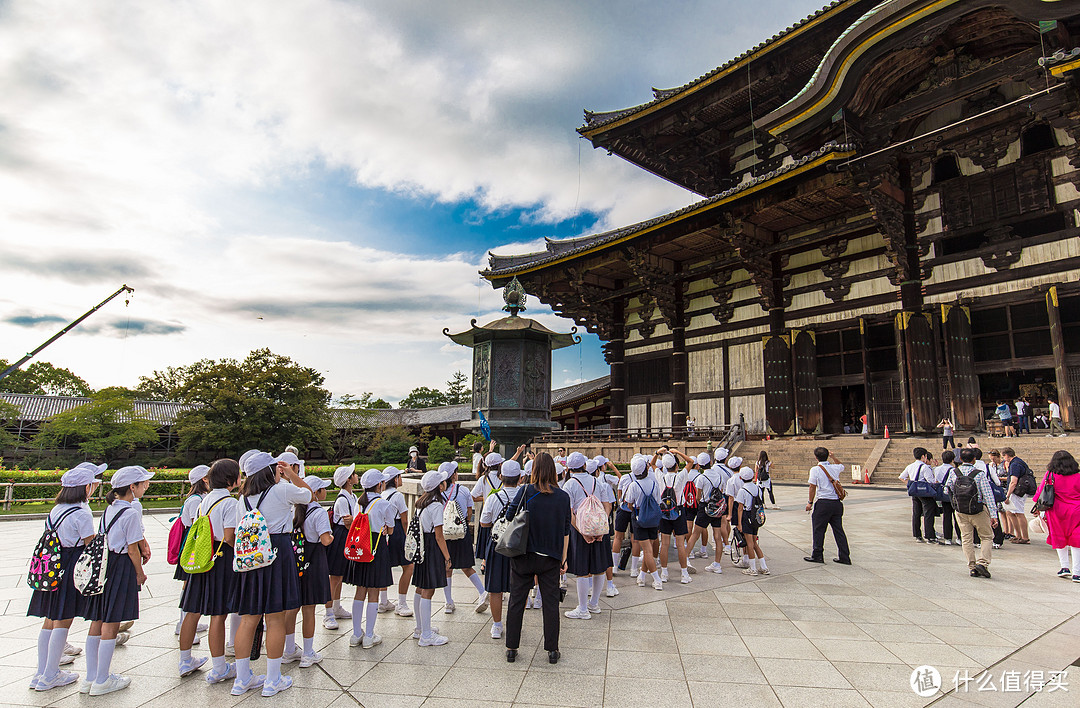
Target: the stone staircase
pixel 792 458
pixel 1035 449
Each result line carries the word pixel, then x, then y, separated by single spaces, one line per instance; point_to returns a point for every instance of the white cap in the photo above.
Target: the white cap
pixel 734 462
pixel 638 465
pixel 342 474
pixel 703 459
pixel 431 480
pixel 720 454
pixel 390 472
pixel 80 476
pixel 590 466
pixel 576 460
pixel 493 459
pixel 510 468
pixel 288 458
pixel 372 478
pixel 258 461
pixel 600 460
pixel 130 475
pixel 448 469
pixel 244 457
pixel 97 469
pixel 668 460
pixel 746 473
pixel 316 483
pixel 198 472
pixel 528 467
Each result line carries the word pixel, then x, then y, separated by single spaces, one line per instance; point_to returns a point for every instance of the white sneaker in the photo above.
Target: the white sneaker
pixel 594 609
pixel 215 676
pixel 764 571
pixel 717 568
pixel 62 678
pixel 496 631
pixel 403 610
pixel 611 591
pixel 202 627
pixel 538 602
pixel 125 626
pixel 435 640
pixel 355 641
pixel 634 573
pixel 37 677
pixel 239 687
pixel 372 641
pixel 123 637
pixel 578 614
pixel 72 650
pixel 85 686
pixel 691 569
pixel 66 659
pixel 111 685
pixel 641 580
pixel 482 603
pixel 658 585
pixel 663 575
pixel 529 602
pixel 749 571
pixel 342 614
pixel 230 649
pixel 686 579
pixel 330 622
pixel 727 548
pixel 191 665
pixel 272 689
pixel 291 657
pixel 449 608
pixel 309 660
pixel 387 606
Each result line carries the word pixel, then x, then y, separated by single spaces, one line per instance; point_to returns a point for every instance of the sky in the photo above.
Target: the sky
pixel 320 177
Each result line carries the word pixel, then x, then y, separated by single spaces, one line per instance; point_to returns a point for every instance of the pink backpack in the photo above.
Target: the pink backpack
pixel 176 541
pixel 592 520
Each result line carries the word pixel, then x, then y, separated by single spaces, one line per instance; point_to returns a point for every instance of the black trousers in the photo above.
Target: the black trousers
pixel 522 570
pixel 916 517
pixel 829 512
pixel 929 511
pixel 947 521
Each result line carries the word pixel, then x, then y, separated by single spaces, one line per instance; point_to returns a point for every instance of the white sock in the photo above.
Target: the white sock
pixel 597 586
pixel 1075 559
pixel 372 613
pixel 290 643
pixel 1063 556
pixel 656 576
pixel 477 583
pixel 243 669
pixel 56 651
pixel 448 593
pixel 403 600
pixel 234 625
pixel 104 662
pixel 416 607
pixel 219 663
pixel 273 670
pixel 761 564
pixel 685 571
pixel 753 563
pixel 309 645
pixel 615 560
pixel 43 639
pixel 92 646
pixel 337 605
pixel 497 624
pixel 383 597
pixel 582 594
pixel 358 618
pixel 424 615
pixel 611 583
pixel 185 654
pixel 634 563
pixel 330 610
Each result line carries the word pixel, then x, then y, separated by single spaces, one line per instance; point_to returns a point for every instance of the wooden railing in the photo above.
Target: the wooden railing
pixel 720 435
pixel 99 495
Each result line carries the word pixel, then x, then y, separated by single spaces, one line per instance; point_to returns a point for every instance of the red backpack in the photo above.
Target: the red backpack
pixel 358 546
pixel 690 495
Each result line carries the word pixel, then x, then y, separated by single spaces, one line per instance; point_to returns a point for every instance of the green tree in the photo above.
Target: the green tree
pixel 105 426
pixel 391 444
pixel 266 401
pixel 423 397
pixel 44 379
pixel 457 389
pixel 439 450
pixel 9 414
pixel 166 385
pixel 363 402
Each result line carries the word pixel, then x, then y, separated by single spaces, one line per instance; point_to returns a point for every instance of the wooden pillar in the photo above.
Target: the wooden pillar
pixel 576 425
pixel 871 424
pixel 804 377
pixel 779 391
pixel 613 354
pixel 1061 370
pixel 920 369
pixel 964 397
pixel 679 402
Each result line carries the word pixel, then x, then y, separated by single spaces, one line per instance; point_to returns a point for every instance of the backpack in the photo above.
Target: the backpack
pixel 716 504
pixel 330 509
pixel 414 541
pixel 757 508
pixel 453 520
pixel 669 507
pixel 647 513
pixel 690 495
pixel 45 569
pixel 1026 484
pixel 592 520
pixel 298 539
pixel 252 549
pixel 198 554
pixel 492 488
pixel 500 522
pixel 358 546
pixel 965 493
pixel 89 571
pixel 177 536
pixel 763 473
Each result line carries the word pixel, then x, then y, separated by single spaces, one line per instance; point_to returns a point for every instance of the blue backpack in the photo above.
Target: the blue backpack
pixel 647 514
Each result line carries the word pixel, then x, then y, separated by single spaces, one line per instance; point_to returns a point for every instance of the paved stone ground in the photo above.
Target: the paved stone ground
pixel 808 635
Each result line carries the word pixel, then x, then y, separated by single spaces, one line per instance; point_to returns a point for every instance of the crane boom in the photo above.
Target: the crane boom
pixel 70 326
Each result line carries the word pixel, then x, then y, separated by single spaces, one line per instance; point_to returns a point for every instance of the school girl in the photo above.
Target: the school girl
pixel 267 593
pixel 345 508
pixel 430 573
pixel 497 577
pixel 487 482
pixel 642 484
pixel 762 477
pixel 461 551
pixel 188 512
pixel 711 478
pixel 376 575
pixel 691 507
pixel 748 495
pixel 732 485
pixel 119 600
pixel 676 529
pixel 587 557
pixel 396 545
pixel 73 523
pixel 597 468
pixel 211 593
pixel 315 580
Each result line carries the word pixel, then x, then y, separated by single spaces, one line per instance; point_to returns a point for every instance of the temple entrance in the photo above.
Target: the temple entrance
pixel 841 408
pixel 1035 384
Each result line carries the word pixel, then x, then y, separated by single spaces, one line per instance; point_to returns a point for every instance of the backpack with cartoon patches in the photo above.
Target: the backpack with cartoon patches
pixel 253 549
pixel 45 569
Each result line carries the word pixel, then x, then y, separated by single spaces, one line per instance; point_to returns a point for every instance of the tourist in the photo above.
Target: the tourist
pixel 487 483
pixel 948 441
pixel 461 550
pixel 478 459
pixel 1023 415
pixel 1004 414
pixel 624 523
pixel 560 458
pixel 1056 428
pixel 1014 509
pixel 345 508
pixel 710 479
pixel 497 575
pixel 1041 421
pixel 827 508
pixel 997 475
pixel 732 485
pixel 941 477
pixel 587 557
pixel 432 571
pixel 692 502
pixel 315 578
pixel 545 556
pixel 976 512
pixel 372 576
pixel 924 508
pixel 1062 520
pixel 748 499
pixel 396 544
pixel 210 594
pixel 865 420
pixel 646 527
pixel 73 523
pixel 677 529
pixel 597 467
pixel 762 478
pixel 690 426
pixel 188 512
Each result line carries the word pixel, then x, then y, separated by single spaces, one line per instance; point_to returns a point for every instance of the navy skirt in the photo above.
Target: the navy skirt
pixel 315 582
pixel 584 559
pixel 483 540
pixel 65 602
pixel 119 600
pixel 395 545
pixel 336 563
pixel 431 574
pixel 461 551
pixel 376 573
pixel 212 593
pixel 496 570
pixel 275 588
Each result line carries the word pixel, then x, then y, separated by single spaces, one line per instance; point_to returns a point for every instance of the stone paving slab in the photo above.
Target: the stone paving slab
pixel 806 635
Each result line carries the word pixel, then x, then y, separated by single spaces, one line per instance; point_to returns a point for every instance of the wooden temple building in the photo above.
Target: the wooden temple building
pixel 888 224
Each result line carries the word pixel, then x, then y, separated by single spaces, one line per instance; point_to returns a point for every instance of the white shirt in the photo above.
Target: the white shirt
pixel 380 512
pixel 624 482
pixel 733 486
pixel 495 503
pixel 430 517
pixel 127 529
pixel 477 458
pixel 490 480
pixel 76 526
pixel 941 473
pixel 709 480
pixel 316 522
pixel 223 515
pixel 639 488
pixel 819 479
pixel 1055 410
pixel 917 470
pixel 1021 408
pixel 397 501
pixel 676 480
pixel 581 485
pixel 190 510
pixel 461 495
pixel 345 505
pixel 747 494
pixel 277 506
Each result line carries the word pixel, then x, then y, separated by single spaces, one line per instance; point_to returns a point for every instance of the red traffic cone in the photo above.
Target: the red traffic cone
pixel 886 432
pixel 866 475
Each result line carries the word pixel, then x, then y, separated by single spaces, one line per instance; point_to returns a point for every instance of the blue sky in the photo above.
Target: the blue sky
pixel 321 177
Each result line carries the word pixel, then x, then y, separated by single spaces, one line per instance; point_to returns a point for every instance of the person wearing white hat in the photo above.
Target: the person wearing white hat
pixel 461 550
pixel 431 571
pixel 415 463
pixel 624 521
pixel 341 517
pixel 597 467
pixel 374 576
pixel 396 545
pixel 188 512
pixel 60 603
pixel 747 500
pixel 315 579
pixel 497 566
pixel 119 600
pixel 587 557
pixel 692 504
pixel 487 484
pixel 710 485
pixel 643 485
pixel 732 485
pixel 674 481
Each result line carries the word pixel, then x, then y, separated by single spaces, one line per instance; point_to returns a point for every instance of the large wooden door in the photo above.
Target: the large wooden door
pixel 960 362
pixel 887 404
pixel 807 391
pixel 779 393
pixel 921 371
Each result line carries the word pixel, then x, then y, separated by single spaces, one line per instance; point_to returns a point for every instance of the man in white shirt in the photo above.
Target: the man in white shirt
pixel 1023 415
pixel 1056 428
pixel 828 509
pixel 921 507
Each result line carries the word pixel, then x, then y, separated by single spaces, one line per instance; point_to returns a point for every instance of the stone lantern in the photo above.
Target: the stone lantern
pixel 512 372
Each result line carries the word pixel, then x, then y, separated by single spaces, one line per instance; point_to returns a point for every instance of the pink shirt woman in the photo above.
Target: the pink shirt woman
pixel 1063 518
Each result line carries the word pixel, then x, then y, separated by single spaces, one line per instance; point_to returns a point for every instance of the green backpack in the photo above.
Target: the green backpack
pixel 198 555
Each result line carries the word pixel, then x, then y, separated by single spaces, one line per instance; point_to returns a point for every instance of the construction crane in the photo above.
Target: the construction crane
pixel 11 369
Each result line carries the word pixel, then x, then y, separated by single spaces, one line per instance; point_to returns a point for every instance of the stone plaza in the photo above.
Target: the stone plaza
pixel 805 636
